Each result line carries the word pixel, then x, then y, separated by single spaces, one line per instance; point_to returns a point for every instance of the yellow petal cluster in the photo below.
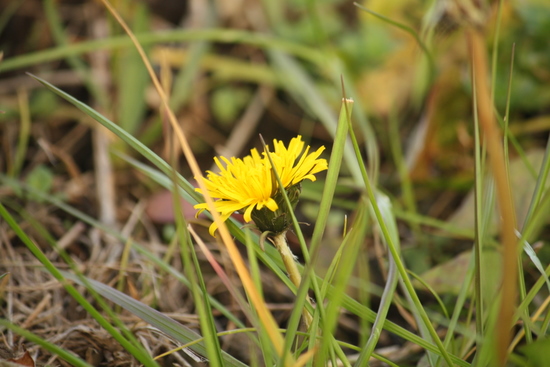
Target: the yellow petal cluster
pixel 292 165
pixel 248 184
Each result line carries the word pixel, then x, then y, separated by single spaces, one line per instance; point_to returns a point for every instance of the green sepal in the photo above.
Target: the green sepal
pixel 277 221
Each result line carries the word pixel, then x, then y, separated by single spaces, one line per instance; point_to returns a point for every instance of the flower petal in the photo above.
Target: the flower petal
pixel 248 184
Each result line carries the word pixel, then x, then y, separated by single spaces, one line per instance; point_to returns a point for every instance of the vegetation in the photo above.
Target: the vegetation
pixel 424 243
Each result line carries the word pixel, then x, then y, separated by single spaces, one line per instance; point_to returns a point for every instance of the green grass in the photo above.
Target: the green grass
pixel 388 210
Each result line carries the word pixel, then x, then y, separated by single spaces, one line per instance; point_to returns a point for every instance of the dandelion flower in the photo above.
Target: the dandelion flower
pixel 248 185
pixel 294 164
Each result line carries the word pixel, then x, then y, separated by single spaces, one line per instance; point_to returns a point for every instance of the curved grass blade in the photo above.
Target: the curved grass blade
pixel 534 259
pixel 136 350
pixel 169 326
pixel 190 194
pixel 385 303
pixel 178 35
pixel 198 287
pixel 386 222
pixel 350 246
pixel 407 29
pixel 52 348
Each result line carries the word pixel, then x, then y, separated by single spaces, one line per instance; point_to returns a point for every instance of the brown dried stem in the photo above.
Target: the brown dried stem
pixel 496 159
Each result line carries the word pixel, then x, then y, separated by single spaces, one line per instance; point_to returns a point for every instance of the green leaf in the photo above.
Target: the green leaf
pixel 40 179
pixel 537 352
pixel 228 102
pixel 132 79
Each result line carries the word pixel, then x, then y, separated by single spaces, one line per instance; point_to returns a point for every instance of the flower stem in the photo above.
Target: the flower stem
pixel 293 273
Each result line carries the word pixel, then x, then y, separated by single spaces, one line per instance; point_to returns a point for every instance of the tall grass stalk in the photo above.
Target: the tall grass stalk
pixel 479 227
pixel 24 134
pixel 390 238
pixel 265 316
pixel 198 288
pixel 498 167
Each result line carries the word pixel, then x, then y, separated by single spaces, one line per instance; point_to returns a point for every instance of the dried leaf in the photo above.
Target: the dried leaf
pixel 25 360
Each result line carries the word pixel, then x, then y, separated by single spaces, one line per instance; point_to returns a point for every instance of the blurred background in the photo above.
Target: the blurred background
pixel 237 69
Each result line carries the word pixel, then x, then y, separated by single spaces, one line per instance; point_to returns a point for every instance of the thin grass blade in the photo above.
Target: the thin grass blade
pixel 52 348
pixel 198 288
pixel 169 326
pixel 125 136
pixel 134 349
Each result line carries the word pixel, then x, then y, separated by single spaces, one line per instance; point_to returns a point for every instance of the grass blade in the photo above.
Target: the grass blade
pixel 177 35
pixel 62 353
pixel 198 288
pixel 192 196
pixel 270 258
pixel 301 86
pixel 374 198
pixel 171 327
pixel 135 350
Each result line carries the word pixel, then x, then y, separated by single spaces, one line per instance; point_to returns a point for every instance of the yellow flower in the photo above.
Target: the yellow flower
pixel 292 165
pixel 249 185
